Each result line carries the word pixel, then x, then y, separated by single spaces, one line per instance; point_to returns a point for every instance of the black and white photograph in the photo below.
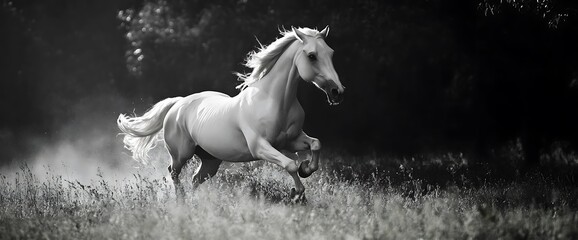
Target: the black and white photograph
pixel 278 119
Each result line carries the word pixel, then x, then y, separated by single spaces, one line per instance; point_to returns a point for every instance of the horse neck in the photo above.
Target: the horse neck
pixel 283 79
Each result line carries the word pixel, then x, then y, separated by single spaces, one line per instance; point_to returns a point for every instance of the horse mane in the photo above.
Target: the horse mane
pixel 263 60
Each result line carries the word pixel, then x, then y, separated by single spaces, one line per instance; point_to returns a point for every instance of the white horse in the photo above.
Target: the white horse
pixel 262 120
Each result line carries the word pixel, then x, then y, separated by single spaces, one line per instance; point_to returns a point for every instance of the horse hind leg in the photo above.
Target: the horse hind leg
pixel 181 152
pixel 209 167
pixel 175 171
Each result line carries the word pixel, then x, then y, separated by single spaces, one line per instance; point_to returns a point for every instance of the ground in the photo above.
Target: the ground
pixel 350 197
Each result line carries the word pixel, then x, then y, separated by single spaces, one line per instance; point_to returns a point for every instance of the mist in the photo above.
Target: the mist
pixel 86 147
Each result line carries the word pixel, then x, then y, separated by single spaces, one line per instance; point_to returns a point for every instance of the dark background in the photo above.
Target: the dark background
pixel 433 76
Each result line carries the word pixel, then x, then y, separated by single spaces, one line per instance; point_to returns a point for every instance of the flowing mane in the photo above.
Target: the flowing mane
pixel 263 60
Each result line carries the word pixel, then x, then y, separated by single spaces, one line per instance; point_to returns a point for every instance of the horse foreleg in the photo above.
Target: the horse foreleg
pixel 295 197
pixel 298 193
pixel 269 153
pixel 260 148
pixel 302 143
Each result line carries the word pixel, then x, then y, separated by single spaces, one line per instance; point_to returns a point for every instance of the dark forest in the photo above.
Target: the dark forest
pixel 421 76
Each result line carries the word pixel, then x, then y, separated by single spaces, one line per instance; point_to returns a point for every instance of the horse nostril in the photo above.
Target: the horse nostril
pixel 340 98
pixel 334 92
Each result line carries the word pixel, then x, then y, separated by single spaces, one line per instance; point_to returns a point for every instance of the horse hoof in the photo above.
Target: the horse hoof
pixel 302 173
pixel 298 198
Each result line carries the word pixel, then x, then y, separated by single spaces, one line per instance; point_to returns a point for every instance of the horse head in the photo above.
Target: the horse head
pixel 315 65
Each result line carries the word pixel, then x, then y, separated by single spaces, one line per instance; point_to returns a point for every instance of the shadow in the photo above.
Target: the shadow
pixel 540 186
pixel 273 193
pixel 268 191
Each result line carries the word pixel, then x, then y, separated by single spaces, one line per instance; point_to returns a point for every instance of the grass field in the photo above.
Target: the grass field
pixel 369 197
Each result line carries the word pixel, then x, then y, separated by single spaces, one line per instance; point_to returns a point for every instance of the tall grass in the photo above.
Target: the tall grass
pixel 369 198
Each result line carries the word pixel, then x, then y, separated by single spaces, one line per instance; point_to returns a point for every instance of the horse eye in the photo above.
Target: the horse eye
pixel 312 57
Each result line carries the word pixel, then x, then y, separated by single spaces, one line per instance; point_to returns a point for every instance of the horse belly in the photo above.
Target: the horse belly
pixel 225 143
pixel 214 129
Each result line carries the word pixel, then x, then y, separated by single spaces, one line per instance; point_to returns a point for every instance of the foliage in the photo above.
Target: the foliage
pixel 376 50
pixel 554 12
pixel 421 76
pixel 410 65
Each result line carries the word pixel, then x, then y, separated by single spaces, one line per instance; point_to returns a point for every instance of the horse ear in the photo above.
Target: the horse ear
pixel 299 34
pixel 325 32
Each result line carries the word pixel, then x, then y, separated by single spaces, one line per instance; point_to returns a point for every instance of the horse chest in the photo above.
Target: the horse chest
pixel 283 128
pixel 278 124
pixel 287 135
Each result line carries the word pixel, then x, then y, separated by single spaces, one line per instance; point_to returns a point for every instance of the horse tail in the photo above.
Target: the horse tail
pixel 141 133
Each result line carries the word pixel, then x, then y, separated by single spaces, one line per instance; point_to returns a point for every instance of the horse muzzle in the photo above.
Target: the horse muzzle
pixel 334 96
